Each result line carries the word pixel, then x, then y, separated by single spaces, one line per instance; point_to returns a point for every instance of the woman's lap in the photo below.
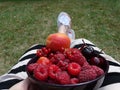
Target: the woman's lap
pixel 18 73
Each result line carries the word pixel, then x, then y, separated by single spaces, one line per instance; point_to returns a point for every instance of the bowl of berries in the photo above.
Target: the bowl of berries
pixel 66 68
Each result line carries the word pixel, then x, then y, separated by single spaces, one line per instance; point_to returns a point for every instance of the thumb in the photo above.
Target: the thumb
pixel 23 85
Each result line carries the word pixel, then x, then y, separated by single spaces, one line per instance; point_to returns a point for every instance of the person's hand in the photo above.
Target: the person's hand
pixel 24 85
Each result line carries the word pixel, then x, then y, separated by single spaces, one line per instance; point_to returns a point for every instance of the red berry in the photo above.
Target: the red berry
pixel 74 55
pixel 62 50
pixel 41 72
pixel 74 68
pixel 59 56
pixel 39 52
pixel 98 70
pixel 31 67
pixel 43 60
pixel 87 75
pixel 51 55
pixel 63 77
pixel 43 52
pixel 85 66
pixel 52 70
pixel 67 60
pixel 53 60
pixel 63 65
pixel 46 51
pixel 74 80
pixel 66 66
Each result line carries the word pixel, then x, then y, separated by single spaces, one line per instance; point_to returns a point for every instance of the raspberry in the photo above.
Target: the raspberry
pixel 67 60
pixel 53 60
pixel 74 80
pixel 62 50
pixel 75 55
pixel 87 75
pixel 66 66
pixel 41 72
pixel 31 67
pixel 57 57
pixel 85 66
pixel 63 77
pixel 98 70
pixel 52 70
pixel 43 60
pixel 51 55
pixel 63 65
pixel 74 68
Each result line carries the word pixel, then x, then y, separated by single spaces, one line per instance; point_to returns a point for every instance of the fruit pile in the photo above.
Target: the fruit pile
pixel 61 64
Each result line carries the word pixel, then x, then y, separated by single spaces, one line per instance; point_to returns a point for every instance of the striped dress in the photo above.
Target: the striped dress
pixel 17 73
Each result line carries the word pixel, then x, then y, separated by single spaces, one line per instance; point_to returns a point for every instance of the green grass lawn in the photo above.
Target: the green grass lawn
pixel 24 23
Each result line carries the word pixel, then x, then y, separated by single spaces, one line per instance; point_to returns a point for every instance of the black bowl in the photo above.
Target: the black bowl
pixel 89 85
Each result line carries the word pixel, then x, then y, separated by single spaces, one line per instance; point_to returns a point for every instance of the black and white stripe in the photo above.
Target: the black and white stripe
pixel 18 73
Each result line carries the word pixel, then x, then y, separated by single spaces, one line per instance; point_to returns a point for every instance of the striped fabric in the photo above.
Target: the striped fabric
pixel 17 72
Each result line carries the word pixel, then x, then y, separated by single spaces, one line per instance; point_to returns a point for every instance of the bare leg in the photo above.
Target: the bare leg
pixel 64 25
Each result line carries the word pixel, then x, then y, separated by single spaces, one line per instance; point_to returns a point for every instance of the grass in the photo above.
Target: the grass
pixel 25 23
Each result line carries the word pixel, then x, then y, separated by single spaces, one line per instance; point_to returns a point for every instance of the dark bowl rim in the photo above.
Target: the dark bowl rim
pixel 67 85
